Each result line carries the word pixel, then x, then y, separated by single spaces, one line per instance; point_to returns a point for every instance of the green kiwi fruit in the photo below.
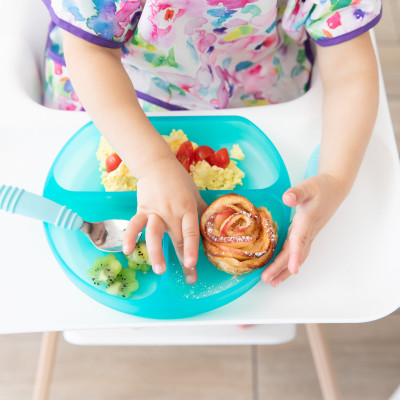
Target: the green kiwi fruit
pixel 139 259
pixel 105 269
pixel 124 284
pixel 140 267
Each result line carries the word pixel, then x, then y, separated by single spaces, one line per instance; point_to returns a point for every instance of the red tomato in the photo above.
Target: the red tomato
pixel 112 162
pixel 185 154
pixel 220 158
pixel 185 161
pixel 202 152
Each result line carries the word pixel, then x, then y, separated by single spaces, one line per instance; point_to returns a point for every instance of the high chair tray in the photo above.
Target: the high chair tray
pixel 74 181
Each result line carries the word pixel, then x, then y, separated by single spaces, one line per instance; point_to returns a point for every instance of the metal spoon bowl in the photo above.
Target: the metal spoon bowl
pixel 105 235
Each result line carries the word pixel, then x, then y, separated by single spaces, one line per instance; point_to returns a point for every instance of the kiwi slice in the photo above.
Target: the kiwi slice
pixel 139 259
pixel 124 284
pixel 140 267
pixel 105 269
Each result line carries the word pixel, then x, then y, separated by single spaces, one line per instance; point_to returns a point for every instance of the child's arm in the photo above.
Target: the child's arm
pixel 168 200
pixel 350 79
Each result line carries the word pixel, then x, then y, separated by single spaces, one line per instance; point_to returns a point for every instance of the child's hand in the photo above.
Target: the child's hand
pixel 168 201
pixel 345 136
pixel 315 199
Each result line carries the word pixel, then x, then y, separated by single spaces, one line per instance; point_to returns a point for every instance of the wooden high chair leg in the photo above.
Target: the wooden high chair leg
pixel 45 365
pixel 323 361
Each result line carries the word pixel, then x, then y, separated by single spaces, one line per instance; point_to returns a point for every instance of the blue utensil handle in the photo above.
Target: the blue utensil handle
pixel 19 201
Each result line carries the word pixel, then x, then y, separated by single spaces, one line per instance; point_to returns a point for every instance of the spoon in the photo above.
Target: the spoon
pixel 105 235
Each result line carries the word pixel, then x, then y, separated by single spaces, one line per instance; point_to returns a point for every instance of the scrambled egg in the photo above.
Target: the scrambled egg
pixel 176 138
pixel 236 152
pixel 118 180
pixel 205 176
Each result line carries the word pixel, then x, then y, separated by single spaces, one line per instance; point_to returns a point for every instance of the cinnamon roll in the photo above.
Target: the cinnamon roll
pixel 238 237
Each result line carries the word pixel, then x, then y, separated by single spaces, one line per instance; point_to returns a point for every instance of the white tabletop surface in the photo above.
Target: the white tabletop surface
pixel 351 275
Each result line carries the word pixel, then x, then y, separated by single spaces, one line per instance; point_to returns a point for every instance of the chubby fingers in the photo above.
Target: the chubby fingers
pixel 278 271
pixel 298 252
pixel 135 226
pixel 191 237
pixel 300 239
pixel 295 250
pixel 186 243
pixel 270 274
pixel 280 278
pixel 298 242
pixel 298 194
pixel 154 235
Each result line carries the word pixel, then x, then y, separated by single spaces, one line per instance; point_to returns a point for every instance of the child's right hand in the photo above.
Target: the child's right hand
pixel 168 201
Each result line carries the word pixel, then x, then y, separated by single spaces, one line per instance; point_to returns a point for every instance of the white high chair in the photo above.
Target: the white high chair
pixel 188 336
pixel 27 95
pixel 35 23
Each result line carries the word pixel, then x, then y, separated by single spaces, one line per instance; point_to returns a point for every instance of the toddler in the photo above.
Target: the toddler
pixel 125 57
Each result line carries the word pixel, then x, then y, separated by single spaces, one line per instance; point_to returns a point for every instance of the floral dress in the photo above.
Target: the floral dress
pixel 205 54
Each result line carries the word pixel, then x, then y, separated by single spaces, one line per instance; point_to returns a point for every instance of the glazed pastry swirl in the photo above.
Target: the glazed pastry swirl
pixel 238 237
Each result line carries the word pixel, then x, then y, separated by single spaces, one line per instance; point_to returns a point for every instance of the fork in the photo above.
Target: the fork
pixel 105 235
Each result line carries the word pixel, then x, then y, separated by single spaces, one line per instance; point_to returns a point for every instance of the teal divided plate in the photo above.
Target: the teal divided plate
pixel 74 181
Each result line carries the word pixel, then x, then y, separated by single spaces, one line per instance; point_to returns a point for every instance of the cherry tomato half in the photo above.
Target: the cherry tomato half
pixel 112 162
pixel 202 152
pixel 185 154
pixel 220 158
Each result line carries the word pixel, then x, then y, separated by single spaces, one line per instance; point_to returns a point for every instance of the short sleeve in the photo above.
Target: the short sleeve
pixel 108 23
pixel 330 22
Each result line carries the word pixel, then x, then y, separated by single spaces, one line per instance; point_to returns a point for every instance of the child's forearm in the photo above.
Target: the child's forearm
pixel 167 197
pixel 351 94
pixel 106 92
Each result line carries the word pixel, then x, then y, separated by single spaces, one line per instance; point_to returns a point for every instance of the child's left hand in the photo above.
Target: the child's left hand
pixel 346 130
pixel 316 199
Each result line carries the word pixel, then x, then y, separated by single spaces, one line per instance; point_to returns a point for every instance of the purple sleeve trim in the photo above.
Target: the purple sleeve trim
pixel 157 102
pixel 56 58
pixel 89 37
pixel 349 35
